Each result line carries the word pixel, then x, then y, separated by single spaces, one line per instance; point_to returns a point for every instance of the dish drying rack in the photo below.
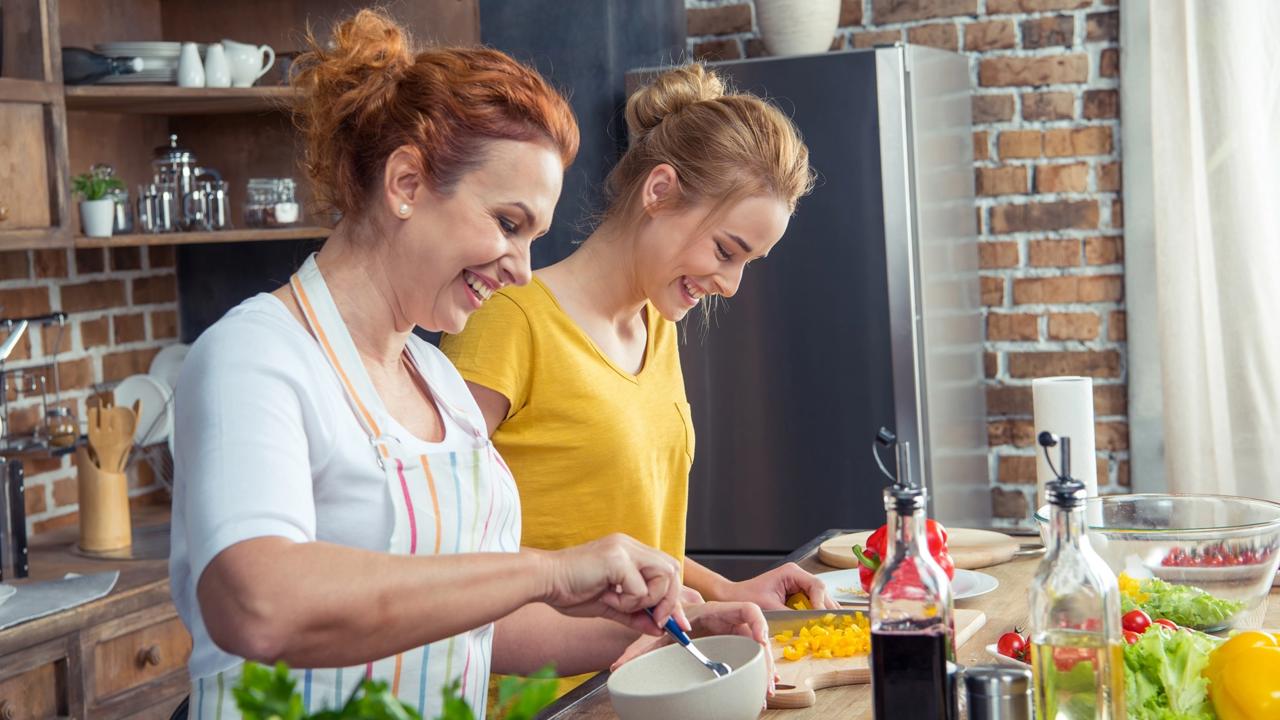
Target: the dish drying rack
pixel 32 380
pixel 158 456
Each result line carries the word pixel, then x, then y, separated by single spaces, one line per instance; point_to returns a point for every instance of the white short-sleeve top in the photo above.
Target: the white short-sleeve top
pixel 267 445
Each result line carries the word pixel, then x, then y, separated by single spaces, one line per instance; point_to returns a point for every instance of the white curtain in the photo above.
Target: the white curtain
pixel 1214 196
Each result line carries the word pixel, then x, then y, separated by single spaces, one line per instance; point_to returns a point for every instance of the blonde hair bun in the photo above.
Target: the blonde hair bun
pixel 669 93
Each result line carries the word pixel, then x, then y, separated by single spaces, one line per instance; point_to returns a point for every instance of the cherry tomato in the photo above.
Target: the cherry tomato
pixel 1091 625
pixel 1065 658
pixel 1166 623
pixel 1136 621
pixel 1013 645
pixel 1131 637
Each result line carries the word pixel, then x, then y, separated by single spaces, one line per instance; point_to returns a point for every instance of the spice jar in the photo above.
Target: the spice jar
pixel 271 203
pixel 60 427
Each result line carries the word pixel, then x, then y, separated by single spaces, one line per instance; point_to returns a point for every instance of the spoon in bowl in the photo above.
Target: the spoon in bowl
pixel 720 669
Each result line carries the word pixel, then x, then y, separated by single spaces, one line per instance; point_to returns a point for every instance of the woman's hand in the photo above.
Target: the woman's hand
pixel 713 618
pixel 770 590
pixel 616 577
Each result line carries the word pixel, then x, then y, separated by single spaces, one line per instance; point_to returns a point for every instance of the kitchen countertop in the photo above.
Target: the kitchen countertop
pixel 1006 607
pixel 142 583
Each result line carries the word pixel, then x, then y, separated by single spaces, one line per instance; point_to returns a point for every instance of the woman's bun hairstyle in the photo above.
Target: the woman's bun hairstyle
pixel 724 146
pixel 369 92
pixel 668 94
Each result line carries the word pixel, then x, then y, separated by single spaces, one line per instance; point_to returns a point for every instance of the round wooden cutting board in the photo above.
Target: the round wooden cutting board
pixel 970 549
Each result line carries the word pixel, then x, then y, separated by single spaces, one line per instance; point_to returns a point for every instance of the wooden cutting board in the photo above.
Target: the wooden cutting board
pixel 970 549
pixel 799 679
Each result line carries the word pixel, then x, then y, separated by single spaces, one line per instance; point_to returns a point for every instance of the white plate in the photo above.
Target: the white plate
pixel 154 47
pixel 6 592
pixel 155 422
pixel 168 362
pixel 994 651
pixel 966 584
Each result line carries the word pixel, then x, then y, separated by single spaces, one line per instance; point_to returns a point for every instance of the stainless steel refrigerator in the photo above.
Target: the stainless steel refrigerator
pixel 866 314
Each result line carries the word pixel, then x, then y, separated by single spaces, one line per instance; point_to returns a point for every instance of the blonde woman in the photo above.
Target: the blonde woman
pixel 578 373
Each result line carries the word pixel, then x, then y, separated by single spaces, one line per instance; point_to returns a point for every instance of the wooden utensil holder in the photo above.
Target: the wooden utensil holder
pixel 104 506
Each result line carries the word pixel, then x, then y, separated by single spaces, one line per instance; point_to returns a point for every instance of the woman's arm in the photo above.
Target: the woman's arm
pixel 493 405
pixel 535 635
pixel 768 590
pixel 324 605
pixel 705 580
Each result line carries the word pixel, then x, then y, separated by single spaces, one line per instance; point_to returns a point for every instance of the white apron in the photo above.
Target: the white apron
pixel 444 502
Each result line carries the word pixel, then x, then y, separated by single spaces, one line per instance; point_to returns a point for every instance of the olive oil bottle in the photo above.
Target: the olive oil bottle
pixel 1076 644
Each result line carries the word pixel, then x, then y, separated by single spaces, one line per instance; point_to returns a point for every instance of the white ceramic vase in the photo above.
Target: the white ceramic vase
pixel 797 27
pixel 217 73
pixel 190 69
pixel 97 216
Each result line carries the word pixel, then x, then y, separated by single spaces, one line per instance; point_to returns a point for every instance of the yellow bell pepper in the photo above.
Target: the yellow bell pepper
pixel 1244 677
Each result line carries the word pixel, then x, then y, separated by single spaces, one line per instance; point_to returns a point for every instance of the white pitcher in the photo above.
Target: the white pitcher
pixel 217 72
pixel 190 69
pixel 248 62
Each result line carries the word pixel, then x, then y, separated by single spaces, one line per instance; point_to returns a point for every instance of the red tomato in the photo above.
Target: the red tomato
pixel 1130 636
pixel 1091 625
pixel 1166 623
pixel 1065 658
pixel 1136 621
pixel 1013 645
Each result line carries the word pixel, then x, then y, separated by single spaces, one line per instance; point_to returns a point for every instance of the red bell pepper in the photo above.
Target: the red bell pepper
pixel 870 557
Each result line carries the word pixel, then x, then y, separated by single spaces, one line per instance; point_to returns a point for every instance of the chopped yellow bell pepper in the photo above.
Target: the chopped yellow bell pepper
pixel 798 601
pixel 830 636
pixel 1244 677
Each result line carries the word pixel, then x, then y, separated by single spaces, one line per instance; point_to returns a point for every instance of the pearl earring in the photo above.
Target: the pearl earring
pixel 404 209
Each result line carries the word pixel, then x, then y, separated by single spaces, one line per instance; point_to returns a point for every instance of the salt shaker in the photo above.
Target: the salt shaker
pixel 998 693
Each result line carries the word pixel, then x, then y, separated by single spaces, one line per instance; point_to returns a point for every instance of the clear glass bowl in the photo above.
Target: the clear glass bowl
pixel 1227 546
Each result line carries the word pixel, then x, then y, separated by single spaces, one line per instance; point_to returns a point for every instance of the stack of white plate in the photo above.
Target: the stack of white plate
pixel 159 61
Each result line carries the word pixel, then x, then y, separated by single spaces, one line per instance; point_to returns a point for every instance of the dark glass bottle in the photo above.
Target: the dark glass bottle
pixel 912 623
pixel 85 67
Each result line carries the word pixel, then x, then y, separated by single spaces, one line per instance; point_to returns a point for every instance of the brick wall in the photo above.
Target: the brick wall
pixel 123 308
pixel 1046 118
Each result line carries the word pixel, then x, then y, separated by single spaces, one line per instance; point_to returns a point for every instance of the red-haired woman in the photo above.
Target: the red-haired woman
pixel 339 505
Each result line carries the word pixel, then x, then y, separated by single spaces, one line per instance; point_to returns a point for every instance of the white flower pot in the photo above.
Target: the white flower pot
pixel 797 27
pixel 97 216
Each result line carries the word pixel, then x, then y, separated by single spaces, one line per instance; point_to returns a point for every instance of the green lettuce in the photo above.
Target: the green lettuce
pixel 1185 605
pixel 1163 679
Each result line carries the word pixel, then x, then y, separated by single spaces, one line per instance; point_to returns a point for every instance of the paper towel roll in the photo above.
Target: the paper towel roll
pixel 1064 406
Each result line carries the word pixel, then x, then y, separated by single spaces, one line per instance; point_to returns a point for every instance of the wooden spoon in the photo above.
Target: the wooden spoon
pixel 114 434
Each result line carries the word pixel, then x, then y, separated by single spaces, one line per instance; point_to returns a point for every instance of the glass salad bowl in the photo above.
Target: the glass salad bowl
pixel 1203 561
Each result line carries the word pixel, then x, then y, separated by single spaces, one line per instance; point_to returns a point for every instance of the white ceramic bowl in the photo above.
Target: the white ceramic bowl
pixel 669 683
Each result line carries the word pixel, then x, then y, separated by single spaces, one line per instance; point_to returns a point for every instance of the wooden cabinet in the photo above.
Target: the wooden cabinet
pixel 122 656
pixel 239 131
pixel 33 147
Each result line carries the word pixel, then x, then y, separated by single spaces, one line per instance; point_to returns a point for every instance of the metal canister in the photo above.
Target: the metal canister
pixel 998 693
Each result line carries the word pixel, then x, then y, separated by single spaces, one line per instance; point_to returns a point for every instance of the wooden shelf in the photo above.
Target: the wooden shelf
pixel 196 238
pixel 172 100
pixel 27 91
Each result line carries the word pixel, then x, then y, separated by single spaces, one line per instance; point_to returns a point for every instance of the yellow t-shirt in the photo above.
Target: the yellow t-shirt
pixel 594 448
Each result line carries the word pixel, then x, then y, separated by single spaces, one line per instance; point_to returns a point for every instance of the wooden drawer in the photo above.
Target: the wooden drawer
pixel 136 659
pixel 34 683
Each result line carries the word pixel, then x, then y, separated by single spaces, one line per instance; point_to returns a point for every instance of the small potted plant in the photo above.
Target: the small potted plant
pixel 97 206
